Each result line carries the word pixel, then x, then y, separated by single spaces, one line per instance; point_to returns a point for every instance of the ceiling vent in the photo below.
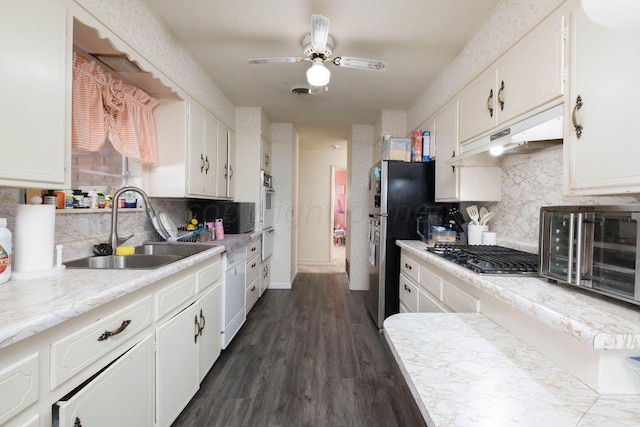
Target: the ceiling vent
pixel 300 91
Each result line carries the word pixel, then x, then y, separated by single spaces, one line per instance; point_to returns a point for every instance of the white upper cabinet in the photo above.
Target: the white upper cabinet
pixel 601 147
pixel 529 76
pixel 35 105
pixel 193 153
pixel 453 183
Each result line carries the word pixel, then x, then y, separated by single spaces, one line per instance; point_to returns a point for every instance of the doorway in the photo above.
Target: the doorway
pixel 339 220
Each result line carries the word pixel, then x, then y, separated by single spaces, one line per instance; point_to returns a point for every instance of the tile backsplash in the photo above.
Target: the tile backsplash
pixel 78 232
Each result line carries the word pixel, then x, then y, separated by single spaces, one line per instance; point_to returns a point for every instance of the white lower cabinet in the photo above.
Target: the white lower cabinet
pixel 18 386
pixel 253 254
pixel 184 346
pixel 424 290
pixel 265 275
pixel 121 395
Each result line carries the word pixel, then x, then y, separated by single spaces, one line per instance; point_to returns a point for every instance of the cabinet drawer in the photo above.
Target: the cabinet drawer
pixel 253 249
pixel 174 296
pixel 208 276
pixel 428 304
pixel 253 292
pixel 459 301
pixel 408 294
pixel 253 269
pixel 431 283
pixel 18 386
pixel 79 350
pixel 410 268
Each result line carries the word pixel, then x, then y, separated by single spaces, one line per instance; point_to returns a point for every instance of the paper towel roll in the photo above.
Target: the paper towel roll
pixel 34 238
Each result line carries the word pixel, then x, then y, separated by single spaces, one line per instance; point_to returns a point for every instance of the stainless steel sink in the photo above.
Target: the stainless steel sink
pixel 149 256
pixel 183 250
pixel 116 262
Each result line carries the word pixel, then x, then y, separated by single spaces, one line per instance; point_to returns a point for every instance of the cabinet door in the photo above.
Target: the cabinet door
pixel 35 105
pixel 265 275
pixel 209 315
pixel 446 140
pixel 531 73
pixel 478 106
pixel 122 395
pixel 177 374
pixel 231 155
pixel 604 74
pixel 224 168
pixel 266 155
pixel 211 155
pixel 196 155
pixel 429 304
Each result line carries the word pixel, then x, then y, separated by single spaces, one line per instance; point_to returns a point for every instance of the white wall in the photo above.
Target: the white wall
pixel 314 203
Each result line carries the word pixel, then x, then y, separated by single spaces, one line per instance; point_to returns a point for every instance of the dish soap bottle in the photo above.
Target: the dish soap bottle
pixel 5 251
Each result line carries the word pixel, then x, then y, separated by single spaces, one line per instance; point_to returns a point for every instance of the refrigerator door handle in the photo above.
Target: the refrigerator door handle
pixel 378 215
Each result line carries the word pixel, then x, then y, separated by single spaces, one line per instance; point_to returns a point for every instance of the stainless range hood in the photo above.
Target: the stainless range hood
pixel 530 134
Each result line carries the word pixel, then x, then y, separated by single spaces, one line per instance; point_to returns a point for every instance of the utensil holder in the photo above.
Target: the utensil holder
pixel 475 233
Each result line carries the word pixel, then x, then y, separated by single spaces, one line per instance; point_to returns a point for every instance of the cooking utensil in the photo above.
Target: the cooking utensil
pixel 485 219
pixel 483 212
pixel 159 228
pixel 473 213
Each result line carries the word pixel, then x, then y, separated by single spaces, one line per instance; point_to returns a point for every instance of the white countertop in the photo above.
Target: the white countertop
pixel 34 305
pixel 464 370
pixel 594 320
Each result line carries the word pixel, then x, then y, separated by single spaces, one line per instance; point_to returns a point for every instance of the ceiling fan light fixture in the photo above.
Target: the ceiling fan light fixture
pixel 318 74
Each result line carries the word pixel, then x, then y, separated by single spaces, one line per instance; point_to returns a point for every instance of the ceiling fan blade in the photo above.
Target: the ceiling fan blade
pixel 319 32
pixel 283 60
pixel 361 63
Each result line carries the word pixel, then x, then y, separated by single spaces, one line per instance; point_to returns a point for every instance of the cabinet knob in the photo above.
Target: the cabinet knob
pixel 574 117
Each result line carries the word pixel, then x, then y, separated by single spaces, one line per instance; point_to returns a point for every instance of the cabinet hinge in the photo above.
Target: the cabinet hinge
pixel 564 75
pixel 565 33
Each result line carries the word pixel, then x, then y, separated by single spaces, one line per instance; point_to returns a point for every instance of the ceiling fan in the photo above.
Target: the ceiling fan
pixel 318 48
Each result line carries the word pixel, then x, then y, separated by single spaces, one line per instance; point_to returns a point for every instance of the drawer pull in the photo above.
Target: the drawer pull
pixel 500 97
pixel 253 288
pixel 253 265
pixel 574 117
pixel 407 266
pixel 253 249
pixel 406 288
pixel 490 102
pixel 77 422
pixel 108 334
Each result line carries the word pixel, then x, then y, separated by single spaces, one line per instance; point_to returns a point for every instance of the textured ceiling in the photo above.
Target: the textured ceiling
pixel 419 38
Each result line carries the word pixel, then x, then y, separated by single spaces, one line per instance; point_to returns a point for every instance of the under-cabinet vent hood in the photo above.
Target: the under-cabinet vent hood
pixel 531 134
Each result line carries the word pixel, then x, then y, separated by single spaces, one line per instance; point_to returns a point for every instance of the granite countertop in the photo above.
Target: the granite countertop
pixel 34 305
pixel 465 370
pixel 594 320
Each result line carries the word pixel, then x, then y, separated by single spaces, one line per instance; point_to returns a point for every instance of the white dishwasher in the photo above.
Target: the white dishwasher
pixel 233 295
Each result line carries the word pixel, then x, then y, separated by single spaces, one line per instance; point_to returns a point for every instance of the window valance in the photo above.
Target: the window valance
pixel 105 108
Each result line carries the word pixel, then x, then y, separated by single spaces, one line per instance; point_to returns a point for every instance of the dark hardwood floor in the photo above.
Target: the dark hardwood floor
pixel 310 356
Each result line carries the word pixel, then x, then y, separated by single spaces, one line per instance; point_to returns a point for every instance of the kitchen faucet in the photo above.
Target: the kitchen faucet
pixel 114 240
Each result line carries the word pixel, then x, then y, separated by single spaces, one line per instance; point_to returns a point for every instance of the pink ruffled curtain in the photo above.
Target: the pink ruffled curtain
pixel 106 108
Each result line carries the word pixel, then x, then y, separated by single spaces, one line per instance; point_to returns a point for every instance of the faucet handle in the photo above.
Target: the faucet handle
pixel 121 240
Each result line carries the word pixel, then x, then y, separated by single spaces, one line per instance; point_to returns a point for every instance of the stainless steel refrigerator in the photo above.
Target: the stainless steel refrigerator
pixel 398 193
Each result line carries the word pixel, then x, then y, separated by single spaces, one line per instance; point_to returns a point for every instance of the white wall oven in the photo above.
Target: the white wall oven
pixel 592 247
pixel 267 208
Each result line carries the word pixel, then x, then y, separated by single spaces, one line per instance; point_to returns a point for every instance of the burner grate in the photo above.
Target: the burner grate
pixel 489 259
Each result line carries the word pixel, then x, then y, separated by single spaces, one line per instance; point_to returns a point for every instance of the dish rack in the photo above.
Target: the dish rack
pixel 200 236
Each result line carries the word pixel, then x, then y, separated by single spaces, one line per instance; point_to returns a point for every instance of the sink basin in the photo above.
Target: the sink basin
pixel 168 249
pixel 116 262
pixel 149 256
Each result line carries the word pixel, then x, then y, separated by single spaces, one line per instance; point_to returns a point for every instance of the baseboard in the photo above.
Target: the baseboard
pixel 279 285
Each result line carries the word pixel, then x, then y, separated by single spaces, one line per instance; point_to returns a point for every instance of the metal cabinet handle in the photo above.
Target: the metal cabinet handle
pixel 231 171
pixel 407 266
pixel 77 422
pixel 406 288
pixel 108 334
pixel 206 160
pixel 201 325
pixel 500 98
pixel 490 103
pixel 201 162
pixel 253 249
pixel 253 265
pixel 574 117
pixel 195 337
pixel 226 169
pixel 253 288
pixel 453 154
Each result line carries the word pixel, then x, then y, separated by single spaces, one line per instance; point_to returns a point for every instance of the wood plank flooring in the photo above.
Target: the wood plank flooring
pixel 310 356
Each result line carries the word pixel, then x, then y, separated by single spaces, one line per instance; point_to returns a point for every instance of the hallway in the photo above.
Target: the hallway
pixel 310 356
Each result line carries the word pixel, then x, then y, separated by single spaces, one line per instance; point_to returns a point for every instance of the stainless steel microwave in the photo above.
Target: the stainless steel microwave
pixel 592 247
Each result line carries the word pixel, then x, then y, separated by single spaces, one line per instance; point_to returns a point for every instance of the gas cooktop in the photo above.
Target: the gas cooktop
pixel 489 259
